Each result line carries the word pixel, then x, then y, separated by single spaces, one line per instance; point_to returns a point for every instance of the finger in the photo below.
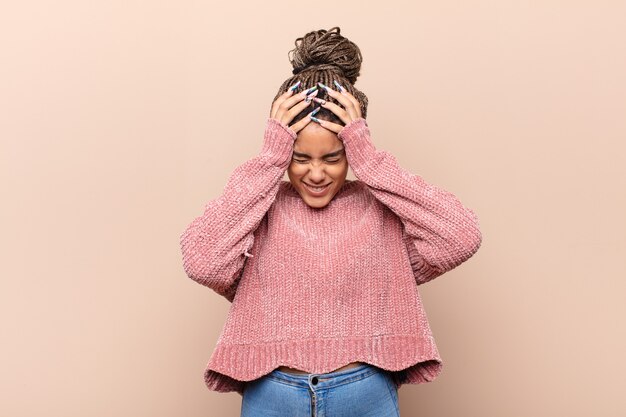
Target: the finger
pixel 343 99
pixel 296 110
pixel 291 114
pixel 302 123
pixel 286 105
pixel 281 99
pixel 345 92
pixel 290 92
pixel 355 102
pixel 338 110
pixel 333 127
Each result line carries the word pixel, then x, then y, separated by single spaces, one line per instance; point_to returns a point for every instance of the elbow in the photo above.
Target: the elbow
pixel 211 268
pixel 206 274
pixel 196 269
pixel 474 236
pixel 213 279
pixel 196 263
pixel 461 245
pixel 469 240
pixel 475 243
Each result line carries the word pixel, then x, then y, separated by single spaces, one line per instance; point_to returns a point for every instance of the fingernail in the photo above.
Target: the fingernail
pixel 324 86
pixel 293 87
pixel 309 90
pixel 339 86
pixel 315 119
pixel 315 111
pixel 310 96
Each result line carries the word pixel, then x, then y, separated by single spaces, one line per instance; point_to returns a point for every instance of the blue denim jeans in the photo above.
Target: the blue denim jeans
pixel 363 391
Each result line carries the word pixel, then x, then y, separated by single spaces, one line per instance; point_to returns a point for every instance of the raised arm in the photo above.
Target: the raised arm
pixel 215 245
pixel 439 231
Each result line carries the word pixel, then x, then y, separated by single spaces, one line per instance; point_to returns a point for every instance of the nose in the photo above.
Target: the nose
pixel 317 174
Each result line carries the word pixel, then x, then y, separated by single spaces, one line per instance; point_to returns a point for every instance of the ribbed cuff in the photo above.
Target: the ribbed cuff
pixel 360 149
pixel 278 142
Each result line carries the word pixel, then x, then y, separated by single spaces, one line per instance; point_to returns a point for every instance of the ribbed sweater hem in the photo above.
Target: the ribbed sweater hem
pixel 411 359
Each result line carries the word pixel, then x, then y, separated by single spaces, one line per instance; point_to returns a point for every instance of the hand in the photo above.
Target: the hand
pixel 287 106
pixel 351 108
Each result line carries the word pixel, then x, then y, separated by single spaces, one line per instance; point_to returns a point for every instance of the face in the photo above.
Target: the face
pixel 318 160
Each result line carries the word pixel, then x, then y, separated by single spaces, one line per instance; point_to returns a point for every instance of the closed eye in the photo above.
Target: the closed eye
pixel 304 161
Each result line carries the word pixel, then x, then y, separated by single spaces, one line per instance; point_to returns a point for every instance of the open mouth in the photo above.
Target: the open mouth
pixel 317 190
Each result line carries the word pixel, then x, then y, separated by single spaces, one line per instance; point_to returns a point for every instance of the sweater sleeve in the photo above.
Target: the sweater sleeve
pixel 440 233
pixel 216 244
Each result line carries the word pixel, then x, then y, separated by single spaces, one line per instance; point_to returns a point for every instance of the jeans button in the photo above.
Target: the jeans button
pixel 314 380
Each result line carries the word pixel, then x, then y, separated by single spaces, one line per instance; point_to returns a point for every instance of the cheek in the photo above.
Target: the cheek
pixel 339 170
pixel 295 169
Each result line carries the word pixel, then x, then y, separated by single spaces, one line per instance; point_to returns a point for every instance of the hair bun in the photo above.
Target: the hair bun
pixel 327 49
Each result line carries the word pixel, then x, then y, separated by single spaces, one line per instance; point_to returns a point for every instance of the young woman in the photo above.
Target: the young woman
pixel 322 272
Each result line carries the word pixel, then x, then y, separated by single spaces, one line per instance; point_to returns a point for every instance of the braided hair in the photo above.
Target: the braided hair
pixel 324 56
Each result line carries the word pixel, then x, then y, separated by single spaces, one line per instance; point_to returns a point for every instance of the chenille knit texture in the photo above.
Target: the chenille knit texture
pixel 318 288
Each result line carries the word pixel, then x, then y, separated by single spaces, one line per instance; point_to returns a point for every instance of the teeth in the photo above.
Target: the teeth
pixel 316 188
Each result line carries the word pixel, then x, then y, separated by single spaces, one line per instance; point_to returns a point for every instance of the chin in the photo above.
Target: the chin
pixel 317 204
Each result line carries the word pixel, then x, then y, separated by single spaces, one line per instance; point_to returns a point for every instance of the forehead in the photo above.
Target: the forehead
pixel 316 140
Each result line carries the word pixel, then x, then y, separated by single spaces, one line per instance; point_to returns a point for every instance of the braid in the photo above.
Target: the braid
pixel 325 56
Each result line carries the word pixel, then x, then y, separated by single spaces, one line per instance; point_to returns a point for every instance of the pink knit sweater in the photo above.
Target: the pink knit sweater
pixel 318 288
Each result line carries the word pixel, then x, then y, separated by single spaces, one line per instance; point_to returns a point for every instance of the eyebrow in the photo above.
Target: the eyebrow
pixel 335 153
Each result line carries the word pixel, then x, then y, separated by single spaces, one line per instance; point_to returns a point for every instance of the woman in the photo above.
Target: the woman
pixel 322 272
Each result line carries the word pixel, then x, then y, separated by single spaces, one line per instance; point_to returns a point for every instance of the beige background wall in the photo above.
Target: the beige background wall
pixel 120 119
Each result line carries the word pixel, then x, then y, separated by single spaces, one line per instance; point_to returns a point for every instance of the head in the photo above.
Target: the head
pixel 318 155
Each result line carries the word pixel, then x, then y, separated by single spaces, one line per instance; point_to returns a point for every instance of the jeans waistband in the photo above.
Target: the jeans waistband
pixel 317 381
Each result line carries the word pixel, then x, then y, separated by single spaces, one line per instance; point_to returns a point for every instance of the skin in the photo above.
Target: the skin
pixel 316 163
pixel 317 140
pixel 313 161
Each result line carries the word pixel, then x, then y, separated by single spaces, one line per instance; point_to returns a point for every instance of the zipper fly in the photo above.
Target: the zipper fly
pixel 313 404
